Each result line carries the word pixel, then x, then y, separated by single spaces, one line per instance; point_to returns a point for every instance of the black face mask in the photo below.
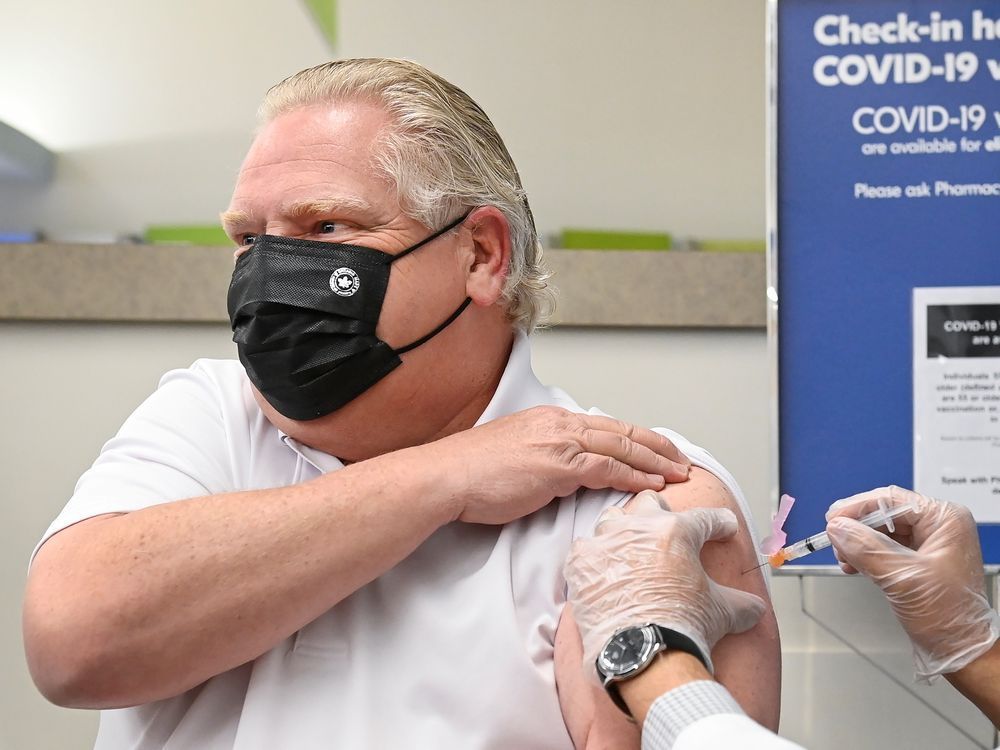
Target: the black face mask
pixel 304 314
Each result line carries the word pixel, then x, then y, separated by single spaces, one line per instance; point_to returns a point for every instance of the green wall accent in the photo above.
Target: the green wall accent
pixel 600 239
pixel 205 234
pixel 324 13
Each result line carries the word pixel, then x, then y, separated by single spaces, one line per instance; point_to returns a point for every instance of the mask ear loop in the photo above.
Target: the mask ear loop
pixel 434 236
pixel 436 331
pixel 461 308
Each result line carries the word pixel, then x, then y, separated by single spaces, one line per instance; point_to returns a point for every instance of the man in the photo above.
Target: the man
pixel 348 539
pixel 642 567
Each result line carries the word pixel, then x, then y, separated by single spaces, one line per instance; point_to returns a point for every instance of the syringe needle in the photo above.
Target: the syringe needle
pixel 756 567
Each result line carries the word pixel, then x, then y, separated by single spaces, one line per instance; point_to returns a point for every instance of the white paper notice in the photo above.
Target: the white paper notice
pixel 956 396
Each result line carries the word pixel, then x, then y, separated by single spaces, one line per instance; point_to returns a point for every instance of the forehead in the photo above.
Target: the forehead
pixel 315 153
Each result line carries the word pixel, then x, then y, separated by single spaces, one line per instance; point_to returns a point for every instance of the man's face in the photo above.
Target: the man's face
pixel 310 175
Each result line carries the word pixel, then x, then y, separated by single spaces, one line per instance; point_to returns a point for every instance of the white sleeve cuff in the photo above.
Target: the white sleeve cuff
pixel 677 709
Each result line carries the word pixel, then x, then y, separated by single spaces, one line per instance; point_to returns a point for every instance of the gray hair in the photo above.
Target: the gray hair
pixel 443 154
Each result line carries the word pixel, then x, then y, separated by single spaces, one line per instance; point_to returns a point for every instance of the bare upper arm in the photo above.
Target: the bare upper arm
pixel 748 664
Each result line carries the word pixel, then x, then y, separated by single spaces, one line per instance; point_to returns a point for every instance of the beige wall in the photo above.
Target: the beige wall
pixel 641 113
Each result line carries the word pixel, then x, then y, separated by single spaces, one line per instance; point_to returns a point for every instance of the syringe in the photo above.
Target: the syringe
pixel 876 520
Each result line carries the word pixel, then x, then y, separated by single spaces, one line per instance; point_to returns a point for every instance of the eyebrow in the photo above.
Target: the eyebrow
pixel 316 207
pixel 233 221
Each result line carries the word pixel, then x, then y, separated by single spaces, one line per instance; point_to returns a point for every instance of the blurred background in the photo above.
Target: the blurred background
pixel 639 115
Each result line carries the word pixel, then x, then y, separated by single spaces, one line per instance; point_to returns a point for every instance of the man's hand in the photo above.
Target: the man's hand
pixel 642 566
pixel 510 467
pixel 930 569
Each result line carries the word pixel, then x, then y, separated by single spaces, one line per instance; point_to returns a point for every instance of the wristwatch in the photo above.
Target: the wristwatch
pixel 630 650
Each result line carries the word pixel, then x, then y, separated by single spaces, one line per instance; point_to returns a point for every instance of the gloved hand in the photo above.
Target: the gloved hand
pixel 642 566
pixel 930 569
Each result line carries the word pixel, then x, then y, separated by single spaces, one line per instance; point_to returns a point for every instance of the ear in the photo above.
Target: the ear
pixel 489 261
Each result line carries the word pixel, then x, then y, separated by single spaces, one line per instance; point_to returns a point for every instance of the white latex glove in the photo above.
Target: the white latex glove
pixel 930 569
pixel 642 566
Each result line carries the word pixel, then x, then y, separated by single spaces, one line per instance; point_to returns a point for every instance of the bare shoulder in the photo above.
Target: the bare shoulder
pixel 725 561
pixel 748 664
pixel 703 489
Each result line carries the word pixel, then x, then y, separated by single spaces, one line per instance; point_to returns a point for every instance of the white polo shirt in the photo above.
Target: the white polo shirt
pixel 451 648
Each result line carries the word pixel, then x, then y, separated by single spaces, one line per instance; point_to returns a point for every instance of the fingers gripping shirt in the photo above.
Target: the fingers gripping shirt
pixel 380 668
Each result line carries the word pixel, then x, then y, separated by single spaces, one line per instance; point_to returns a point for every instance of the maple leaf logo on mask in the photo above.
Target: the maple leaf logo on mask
pixel 344 282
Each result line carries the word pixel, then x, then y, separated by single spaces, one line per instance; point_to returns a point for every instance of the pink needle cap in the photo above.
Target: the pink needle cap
pixel 776 539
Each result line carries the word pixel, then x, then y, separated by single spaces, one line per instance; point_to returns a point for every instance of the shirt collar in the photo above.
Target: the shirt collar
pixel 518 389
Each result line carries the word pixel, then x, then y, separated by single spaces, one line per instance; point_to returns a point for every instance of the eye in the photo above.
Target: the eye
pixel 325 227
pixel 248 239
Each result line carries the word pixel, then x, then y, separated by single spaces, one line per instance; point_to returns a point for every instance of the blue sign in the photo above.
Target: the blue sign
pixel 888 178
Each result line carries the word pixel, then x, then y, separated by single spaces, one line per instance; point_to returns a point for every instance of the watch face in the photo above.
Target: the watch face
pixel 627 650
